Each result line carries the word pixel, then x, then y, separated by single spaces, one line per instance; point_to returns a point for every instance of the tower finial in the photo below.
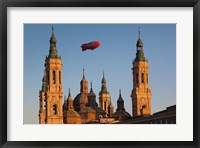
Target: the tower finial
pixel 69 92
pixel 91 90
pixel 139 32
pixel 103 79
pixel 103 75
pixel 120 92
pixel 83 73
pixel 52 29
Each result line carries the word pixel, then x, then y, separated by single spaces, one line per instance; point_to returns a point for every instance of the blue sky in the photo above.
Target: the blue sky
pixel 114 57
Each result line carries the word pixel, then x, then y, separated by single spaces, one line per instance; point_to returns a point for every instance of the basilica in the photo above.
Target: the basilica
pixel 83 108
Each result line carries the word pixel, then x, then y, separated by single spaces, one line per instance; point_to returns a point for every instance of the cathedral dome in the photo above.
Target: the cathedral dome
pixel 100 111
pixel 72 113
pixel 121 115
pixel 87 110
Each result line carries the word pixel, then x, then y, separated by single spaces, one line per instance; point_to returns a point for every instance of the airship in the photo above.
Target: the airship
pixel 90 46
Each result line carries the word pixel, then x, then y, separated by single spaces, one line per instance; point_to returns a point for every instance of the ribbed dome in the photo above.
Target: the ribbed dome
pixel 100 111
pixel 121 113
pixel 87 109
pixel 72 113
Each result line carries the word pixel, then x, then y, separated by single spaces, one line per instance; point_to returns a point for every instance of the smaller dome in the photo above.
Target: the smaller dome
pixel 139 43
pixel 71 113
pixel 121 113
pixel 100 110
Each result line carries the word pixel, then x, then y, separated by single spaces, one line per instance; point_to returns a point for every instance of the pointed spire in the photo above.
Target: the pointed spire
pixel 69 92
pixel 69 101
pixel 120 96
pixel 53 38
pixel 139 41
pixel 69 96
pixel 83 73
pixel 52 29
pixel 120 93
pixel 139 32
pixel 103 79
pixel 91 90
pixel 53 53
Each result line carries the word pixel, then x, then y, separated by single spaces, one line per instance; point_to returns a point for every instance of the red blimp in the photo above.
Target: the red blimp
pixel 90 46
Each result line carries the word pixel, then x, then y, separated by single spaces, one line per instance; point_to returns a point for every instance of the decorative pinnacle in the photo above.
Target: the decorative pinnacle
pixel 139 32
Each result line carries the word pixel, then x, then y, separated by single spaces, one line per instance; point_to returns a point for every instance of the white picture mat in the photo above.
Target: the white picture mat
pixel 181 131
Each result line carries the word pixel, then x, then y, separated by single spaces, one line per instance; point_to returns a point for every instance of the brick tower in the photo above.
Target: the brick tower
pixel 51 95
pixel 141 93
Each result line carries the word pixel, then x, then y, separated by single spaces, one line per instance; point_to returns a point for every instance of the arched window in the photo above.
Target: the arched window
pixel 54 77
pixel 142 77
pixel 55 109
pixel 137 77
pixel 105 106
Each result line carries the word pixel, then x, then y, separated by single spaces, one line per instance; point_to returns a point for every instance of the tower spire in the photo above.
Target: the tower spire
pixel 103 79
pixel 120 93
pixel 91 90
pixel 83 73
pixel 69 92
pixel 53 53
pixel 52 29
pixel 139 32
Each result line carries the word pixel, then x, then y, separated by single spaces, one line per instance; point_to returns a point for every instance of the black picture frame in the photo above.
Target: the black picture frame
pixel 4 4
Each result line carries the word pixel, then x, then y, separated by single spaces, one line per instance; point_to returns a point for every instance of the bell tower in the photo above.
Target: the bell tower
pixel 141 93
pixel 104 96
pixel 52 94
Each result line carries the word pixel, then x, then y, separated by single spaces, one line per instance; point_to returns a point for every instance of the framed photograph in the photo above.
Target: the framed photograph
pixel 122 73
